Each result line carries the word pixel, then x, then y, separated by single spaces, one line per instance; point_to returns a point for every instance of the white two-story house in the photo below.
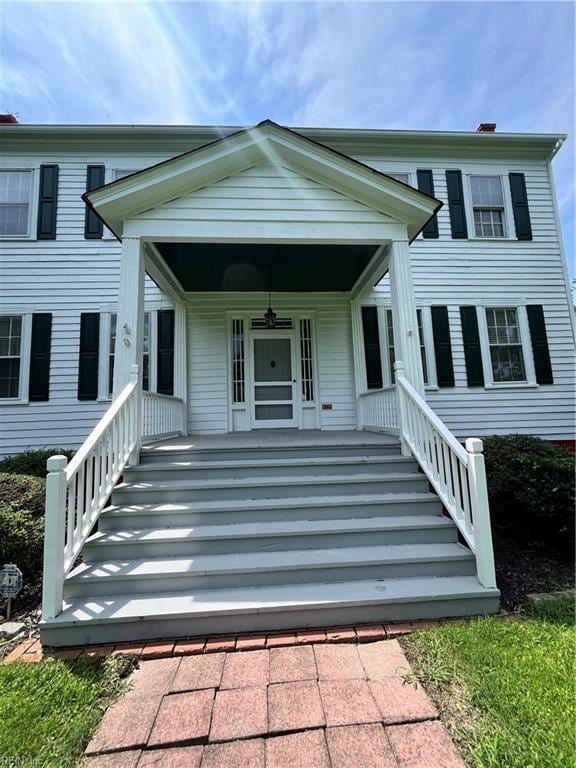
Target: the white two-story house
pixel 272 345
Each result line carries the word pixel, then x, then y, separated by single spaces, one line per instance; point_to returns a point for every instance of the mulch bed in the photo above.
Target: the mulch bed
pixel 524 566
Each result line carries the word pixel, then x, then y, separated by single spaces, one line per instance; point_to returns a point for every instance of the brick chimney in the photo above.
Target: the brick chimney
pixel 8 118
pixel 486 128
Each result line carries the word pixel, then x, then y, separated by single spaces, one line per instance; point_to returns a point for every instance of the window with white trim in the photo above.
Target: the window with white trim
pixel 505 344
pixel 15 203
pixel 119 173
pixel 145 356
pixel 403 177
pixel 421 338
pixel 238 361
pixel 10 355
pixel 488 206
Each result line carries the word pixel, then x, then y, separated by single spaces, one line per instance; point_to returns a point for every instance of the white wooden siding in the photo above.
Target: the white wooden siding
pixel 65 276
pixel 268 202
pixel 497 272
pixel 72 275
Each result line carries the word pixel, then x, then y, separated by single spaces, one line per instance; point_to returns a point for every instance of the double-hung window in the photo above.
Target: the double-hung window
pixel 119 173
pixel 505 343
pixel 403 177
pixel 15 203
pixel 10 355
pixel 145 358
pixel 488 206
pixel 421 339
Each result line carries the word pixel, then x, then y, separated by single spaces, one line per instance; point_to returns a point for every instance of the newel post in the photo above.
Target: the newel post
pixel 137 415
pixel 54 537
pixel 402 412
pixel 480 513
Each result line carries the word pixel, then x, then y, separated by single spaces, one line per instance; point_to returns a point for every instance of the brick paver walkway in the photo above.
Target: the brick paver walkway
pixel 307 706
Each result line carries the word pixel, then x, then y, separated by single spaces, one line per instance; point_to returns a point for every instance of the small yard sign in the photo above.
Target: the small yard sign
pixel 10 583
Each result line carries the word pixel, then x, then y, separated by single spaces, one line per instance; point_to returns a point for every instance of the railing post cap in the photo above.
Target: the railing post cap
pixel 474 445
pixel 398 365
pixel 134 372
pixel 56 463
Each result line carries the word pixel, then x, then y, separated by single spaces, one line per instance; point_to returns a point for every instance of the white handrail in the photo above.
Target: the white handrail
pixel 378 410
pixel 77 493
pixel 457 475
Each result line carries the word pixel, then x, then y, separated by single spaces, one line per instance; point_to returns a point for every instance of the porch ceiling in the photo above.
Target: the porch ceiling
pixel 246 267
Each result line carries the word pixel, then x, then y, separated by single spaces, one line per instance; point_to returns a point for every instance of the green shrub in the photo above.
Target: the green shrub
pixel 22 526
pixel 531 488
pixel 23 491
pixel 22 541
pixel 31 462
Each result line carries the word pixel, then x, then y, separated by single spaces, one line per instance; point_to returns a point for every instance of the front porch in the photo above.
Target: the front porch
pixel 296 498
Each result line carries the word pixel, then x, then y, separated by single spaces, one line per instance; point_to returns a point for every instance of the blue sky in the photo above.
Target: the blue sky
pixel 436 65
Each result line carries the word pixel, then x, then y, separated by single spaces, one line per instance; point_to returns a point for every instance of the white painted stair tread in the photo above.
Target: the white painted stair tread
pixel 250 562
pixel 272 463
pixel 268 599
pixel 226 505
pixel 265 529
pixel 277 439
pixel 249 482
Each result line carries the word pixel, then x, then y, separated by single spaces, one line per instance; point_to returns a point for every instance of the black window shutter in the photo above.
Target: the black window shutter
pixel 93 227
pixel 39 384
pixel 520 206
pixel 165 382
pixel 456 205
pixel 89 353
pixel 372 356
pixel 47 202
pixel 442 346
pixel 426 185
pixel 472 349
pixel 540 351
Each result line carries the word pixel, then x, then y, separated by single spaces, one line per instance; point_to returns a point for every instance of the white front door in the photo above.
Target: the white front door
pixel 273 381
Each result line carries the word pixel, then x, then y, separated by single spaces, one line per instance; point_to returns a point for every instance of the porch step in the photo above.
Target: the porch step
pixel 277 534
pixel 250 569
pixel 268 536
pixel 186 469
pixel 181 514
pixel 266 487
pixel 126 617
pixel 297 448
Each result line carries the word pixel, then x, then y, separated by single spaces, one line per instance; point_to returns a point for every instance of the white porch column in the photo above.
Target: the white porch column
pixel 180 359
pixel 130 317
pixel 406 341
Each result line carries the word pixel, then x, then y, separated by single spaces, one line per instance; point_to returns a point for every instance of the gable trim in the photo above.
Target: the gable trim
pixel 270 143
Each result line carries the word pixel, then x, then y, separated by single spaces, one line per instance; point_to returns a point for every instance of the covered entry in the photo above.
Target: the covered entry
pixel 263 210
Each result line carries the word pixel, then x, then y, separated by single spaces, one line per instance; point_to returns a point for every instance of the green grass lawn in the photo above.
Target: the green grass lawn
pixel 505 689
pixel 49 710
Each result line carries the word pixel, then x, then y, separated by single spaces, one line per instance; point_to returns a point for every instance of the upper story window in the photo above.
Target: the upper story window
pixel 505 342
pixel 403 177
pixel 15 203
pixel 488 206
pixel 10 353
pixel 119 173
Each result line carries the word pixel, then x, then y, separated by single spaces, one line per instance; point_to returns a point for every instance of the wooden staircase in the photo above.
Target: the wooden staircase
pixel 284 535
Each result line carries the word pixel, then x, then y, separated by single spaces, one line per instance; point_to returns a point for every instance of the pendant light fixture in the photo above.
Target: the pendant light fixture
pixel 270 315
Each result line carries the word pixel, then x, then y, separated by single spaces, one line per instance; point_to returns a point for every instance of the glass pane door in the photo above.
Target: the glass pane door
pixel 273 384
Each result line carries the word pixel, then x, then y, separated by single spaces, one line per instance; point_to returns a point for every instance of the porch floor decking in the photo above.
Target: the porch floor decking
pixel 268 438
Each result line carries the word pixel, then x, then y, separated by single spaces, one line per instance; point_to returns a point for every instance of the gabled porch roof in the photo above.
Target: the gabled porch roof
pixel 265 144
